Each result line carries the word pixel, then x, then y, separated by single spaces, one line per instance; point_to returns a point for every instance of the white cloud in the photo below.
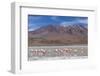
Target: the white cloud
pixel 67 23
pixel 82 21
pixel 32 27
pixel 54 18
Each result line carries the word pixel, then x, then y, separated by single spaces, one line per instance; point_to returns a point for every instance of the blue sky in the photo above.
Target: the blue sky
pixel 37 21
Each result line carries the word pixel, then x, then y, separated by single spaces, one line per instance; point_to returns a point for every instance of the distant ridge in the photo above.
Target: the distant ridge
pixel 59 34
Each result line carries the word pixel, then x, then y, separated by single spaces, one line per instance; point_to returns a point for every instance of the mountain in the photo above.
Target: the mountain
pixel 59 34
pixel 59 29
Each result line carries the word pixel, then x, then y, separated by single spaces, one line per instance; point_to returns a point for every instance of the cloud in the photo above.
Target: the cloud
pixel 83 21
pixel 55 18
pixel 32 27
pixel 65 23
